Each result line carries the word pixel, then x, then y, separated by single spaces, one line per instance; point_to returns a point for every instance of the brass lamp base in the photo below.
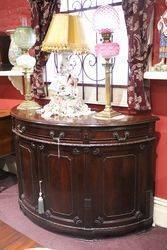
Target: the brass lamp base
pixel 106 114
pixel 29 105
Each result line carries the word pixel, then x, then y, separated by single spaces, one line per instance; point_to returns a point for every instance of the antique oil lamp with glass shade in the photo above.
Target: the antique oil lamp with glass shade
pixel 106 21
pixel 24 37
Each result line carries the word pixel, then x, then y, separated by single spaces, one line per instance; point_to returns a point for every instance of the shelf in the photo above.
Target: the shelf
pixel 11 73
pixel 161 75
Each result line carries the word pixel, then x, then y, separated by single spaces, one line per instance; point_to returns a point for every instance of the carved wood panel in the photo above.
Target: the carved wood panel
pixel 119 184
pixel 28 173
pixel 62 181
pixel 112 182
pixel 60 184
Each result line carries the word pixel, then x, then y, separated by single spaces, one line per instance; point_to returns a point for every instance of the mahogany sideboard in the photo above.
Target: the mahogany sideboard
pixel 97 176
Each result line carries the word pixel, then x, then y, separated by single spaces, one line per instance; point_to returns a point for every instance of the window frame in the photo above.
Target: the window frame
pixel 97 85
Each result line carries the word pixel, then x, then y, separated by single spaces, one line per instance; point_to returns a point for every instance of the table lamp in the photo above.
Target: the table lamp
pixel 25 38
pixel 106 21
pixel 65 35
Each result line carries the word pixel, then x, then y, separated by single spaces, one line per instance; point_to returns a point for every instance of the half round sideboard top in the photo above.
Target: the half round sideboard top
pixel 83 121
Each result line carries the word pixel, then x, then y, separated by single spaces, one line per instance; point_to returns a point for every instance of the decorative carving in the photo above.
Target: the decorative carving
pixel 21 128
pixel 41 147
pixel 33 145
pixel 99 220
pixel 76 151
pixel 48 213
pixel 52 135
pixel 77 220
pixel 142 146
pixel 96 151
pixel 120 139
pixel 139 215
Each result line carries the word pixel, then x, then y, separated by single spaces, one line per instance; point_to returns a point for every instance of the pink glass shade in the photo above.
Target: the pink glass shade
pixel 107 50
pixel 105 19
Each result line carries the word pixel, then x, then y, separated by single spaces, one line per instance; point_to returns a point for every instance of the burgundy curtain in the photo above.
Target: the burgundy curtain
pixel 138 14
pixel 42 11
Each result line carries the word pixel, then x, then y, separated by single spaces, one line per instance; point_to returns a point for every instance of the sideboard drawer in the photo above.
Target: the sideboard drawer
pixel 81 135
pixel 47 133
pixel 121 134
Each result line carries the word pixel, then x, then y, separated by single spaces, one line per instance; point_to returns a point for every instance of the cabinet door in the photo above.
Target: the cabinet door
pixel 63 184
pixel 112 183
pixel 27 173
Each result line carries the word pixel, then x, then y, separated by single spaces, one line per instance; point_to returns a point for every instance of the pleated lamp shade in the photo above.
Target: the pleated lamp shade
pixel 65 34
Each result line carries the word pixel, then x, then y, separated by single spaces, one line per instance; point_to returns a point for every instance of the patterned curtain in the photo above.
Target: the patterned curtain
pixel 138 14
pixel 42 11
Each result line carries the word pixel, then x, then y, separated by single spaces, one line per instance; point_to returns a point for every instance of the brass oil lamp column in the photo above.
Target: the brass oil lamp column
pixel 106 21
pixel 107 49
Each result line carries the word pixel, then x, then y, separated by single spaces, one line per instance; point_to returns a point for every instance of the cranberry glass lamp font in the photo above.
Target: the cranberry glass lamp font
pixel 106 21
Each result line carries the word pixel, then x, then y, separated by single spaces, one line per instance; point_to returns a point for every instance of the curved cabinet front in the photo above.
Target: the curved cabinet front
pixel 97 177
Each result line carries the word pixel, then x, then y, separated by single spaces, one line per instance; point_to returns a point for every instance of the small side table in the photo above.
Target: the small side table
pixel 6 138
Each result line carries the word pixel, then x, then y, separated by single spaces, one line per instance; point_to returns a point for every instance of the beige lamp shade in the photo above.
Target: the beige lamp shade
pixel 65 33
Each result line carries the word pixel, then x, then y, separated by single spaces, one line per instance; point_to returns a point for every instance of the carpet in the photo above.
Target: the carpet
pixel 154 239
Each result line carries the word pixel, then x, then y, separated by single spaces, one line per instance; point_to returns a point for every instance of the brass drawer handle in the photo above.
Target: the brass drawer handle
pixel 96 151
pixel 54 137
pixel 120 139
pixel 20 129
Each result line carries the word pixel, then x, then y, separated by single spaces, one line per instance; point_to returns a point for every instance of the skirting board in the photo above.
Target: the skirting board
pixel 160 212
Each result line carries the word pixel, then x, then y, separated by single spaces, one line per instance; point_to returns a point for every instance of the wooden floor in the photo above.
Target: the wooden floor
pixel 10 239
